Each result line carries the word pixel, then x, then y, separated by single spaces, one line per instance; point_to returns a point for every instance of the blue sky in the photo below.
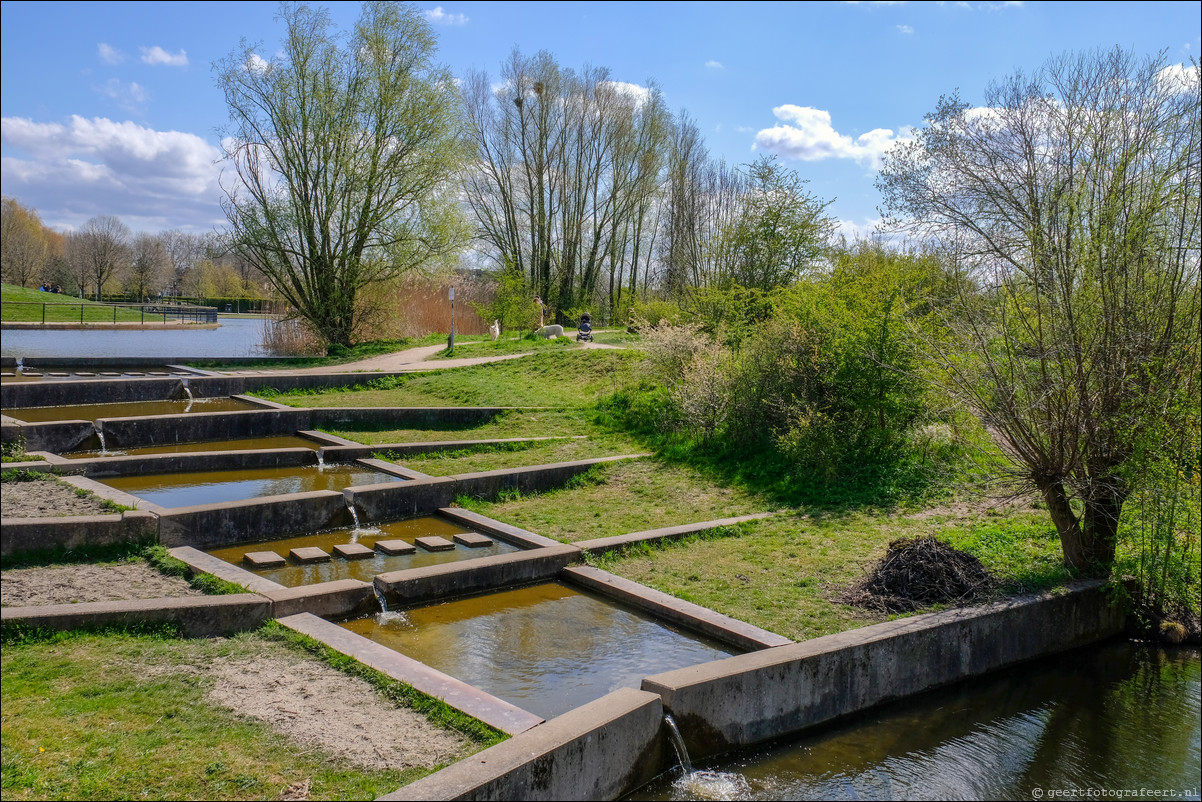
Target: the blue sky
pixel 111 108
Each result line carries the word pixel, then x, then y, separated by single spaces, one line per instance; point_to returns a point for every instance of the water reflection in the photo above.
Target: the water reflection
pixel 235 337
pixel 210 487
pixel 1116 716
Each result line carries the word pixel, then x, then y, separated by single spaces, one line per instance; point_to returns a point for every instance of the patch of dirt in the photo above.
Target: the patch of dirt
pixel 46 498
pixel 316 705
pixel 24 587
pixel 919 572
pixel 976 507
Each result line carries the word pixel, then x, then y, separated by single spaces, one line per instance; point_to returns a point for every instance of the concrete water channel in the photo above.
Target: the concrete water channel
pixel 579 666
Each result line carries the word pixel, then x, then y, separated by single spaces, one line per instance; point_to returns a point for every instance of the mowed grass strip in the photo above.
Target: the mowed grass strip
pixel 562 422
pixel 559 378
pixel 619 498
pixel 20 305
pixel 124 716
pixel 788 574
pixel 515 455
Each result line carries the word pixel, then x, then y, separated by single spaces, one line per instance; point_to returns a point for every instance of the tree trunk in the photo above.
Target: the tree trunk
pixel 1088 542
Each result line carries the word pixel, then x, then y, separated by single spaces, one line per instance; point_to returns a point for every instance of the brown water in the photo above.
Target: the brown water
pixel 294 575
pixel 547 648
pixel 127 410
pixel 1116 716
pixel 211 487
pixel 246 444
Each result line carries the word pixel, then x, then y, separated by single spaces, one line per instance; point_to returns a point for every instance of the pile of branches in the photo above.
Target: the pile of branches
pixel 920 572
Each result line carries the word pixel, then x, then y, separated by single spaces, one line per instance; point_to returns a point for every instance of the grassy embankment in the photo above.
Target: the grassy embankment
pixel 785 574
pixel 20 305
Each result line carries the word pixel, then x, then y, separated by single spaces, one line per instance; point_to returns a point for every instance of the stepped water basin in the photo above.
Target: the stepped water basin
pixel 294 574
pixel 211 487
pixel 547 648
pixel 244 444
pixel 129 409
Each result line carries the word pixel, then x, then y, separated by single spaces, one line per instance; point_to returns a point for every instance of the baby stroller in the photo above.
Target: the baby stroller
pixel 585 334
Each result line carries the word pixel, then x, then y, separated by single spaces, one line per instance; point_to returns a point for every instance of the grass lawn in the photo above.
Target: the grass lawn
pixel 559 378
pixel 124 716
pixel 20 305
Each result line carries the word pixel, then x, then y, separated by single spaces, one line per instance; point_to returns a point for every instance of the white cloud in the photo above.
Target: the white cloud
pixel 640 94
pixel 127 96
pixel 808 135
pixel 716 65
pixel 440 17
pixel 905 29
pixel 157 55
pixel 255 63
pixel 744 129
pixel 110 54
pixel 1177 77
pixel 151 179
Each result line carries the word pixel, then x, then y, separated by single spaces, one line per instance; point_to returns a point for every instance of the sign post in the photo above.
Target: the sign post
pixel 451 341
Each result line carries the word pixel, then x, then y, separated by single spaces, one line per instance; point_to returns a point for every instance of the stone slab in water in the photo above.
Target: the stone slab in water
pixel 353 551
pixel 473 540
pixel 264 559
pixel 309 554
pixel 434 543
pixel 395 546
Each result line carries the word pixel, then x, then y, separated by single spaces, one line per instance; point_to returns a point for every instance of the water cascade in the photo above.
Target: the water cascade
pixel 381 599
pixel 100 434
pixel 694 784
pixel 188 392
pixel 20 364
pixel 321 466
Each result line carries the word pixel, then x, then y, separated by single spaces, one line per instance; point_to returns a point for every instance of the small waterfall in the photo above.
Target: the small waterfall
pixel 321 466
pixel 350 505
pixel 188 392
pixel 380 598
pixel 100 434
pixel 695 784
pixel 682 753
pixel 20 364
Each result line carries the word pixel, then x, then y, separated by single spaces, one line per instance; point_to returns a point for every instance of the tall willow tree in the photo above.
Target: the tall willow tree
pixel 341 147
pixel 1070 201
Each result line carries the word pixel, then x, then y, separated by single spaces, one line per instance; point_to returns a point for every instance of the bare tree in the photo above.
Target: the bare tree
pixel 183 251
pixel 101 249
pixel 148 268
pixel 341 148
pixel 24 245
pixel 1071 201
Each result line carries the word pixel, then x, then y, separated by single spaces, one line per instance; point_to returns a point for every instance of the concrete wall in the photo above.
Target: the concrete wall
pixel 56 436
pixel 196 426
pixel 153 464
pixel 208 526
pixel 747 699
pixel 197 617
pixel 19 535
pixel 598 751
pixel 415 585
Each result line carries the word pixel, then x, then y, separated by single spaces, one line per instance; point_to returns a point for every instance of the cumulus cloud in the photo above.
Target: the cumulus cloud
pixel 129 96
pixel 715 65
pixel 440 17
pixel 157 55
pixel 110 54
pixel 807 134
pixel 151 179
pixel 255 63
pixel 905 29
pixel 640 94
pixel 1177 77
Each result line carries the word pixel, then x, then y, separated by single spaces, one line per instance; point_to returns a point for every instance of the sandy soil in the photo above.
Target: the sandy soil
pixel 45 499
pixel 67 584
pixel 318 706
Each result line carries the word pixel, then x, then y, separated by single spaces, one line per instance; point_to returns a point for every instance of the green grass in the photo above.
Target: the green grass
pixel 120 716
pixel 19 305
pixel 476 345
pixel 511 455
pixel 573 378
pixel 787 574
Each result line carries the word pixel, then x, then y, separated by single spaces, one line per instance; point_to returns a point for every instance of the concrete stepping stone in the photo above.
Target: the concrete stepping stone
pixel 84 373
pixel 309 554
pixel 58 375
pixel 434 543
pixel 264 559
pixel 32 374
pixel 109 373
pixel 395 546
pixel 134 373
pixel 473 540
pixel 7 375
pixel 159 373
pixel 354 551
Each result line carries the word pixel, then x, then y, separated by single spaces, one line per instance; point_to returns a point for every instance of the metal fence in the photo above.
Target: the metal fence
pixel 57 312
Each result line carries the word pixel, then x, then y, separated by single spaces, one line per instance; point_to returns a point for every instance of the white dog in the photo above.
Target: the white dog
pixel 495 330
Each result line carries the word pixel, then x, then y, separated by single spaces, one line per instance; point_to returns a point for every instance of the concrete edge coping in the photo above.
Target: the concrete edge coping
pixel 677 611
pixel 384 466
pixel 197 560
pixel 604 544
pixel 475 566
pixel 45 456
pixel 216 506
pixel 259 402
pixel 339 598
pixel 579 463
pixel 195 371
pixel 196 615
pixel 494 712
pixel 41 465
pixel 513 535
pixel 325 438
pixel 861 636
pixel 113 494
pixel 469 778
pixel 186 461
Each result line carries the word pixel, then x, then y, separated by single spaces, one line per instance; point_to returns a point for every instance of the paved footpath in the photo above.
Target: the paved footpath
pixel 413 359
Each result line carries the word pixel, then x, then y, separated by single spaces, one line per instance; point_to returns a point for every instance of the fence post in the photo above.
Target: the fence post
pixel 43 315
